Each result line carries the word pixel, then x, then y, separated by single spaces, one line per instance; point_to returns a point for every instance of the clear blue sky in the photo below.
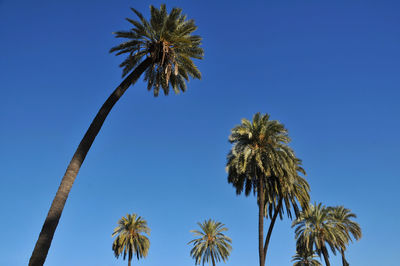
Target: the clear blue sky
pixel 328 70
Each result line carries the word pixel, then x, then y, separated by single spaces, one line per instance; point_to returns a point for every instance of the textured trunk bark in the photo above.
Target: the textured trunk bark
pixel 325 254
pixel 271 226
pixel 43 243
pixel 212 258
pixel 344 261
pixel 261 198
pixel 129 262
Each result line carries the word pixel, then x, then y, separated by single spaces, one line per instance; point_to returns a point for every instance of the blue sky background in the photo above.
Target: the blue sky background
pixel 328 70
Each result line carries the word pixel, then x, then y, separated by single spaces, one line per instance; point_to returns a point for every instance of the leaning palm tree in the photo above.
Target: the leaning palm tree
pixel 161 48
pixel 211 244
pixel 130 238
pixel 314 228
pixel 260 157
pixel 341 218
pixel 293 191
pixel 305 258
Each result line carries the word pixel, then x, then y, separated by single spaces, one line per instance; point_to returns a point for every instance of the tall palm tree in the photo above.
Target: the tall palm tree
pixel 130 238
pixel 305 258
pixel 314 228
pixel 259 158
pixel 341 218
pixel 161 48
pixel 211 244
pixel 293 191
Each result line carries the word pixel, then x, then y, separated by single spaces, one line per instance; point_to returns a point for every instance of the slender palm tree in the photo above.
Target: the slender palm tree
pixel 260 157
pixel 130 238
pixel 305 258
pixel 161 48
pixel 211 244
pixel 314 228
pixel 341 218
pixel 293 191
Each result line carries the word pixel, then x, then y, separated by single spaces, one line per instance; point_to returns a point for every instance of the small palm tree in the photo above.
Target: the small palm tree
pixel 130 238
pixel 305 258
pixel 161 48
pixel 211 244
pixel 341 218
pixel 261 162
pixel 314 228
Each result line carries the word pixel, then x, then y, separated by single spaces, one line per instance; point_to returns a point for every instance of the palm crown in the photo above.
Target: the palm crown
pixel 168 41
pixel 305 258
pixel 211 243
pixel 130 238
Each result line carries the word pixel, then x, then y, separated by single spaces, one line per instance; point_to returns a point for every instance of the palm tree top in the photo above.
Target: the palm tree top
pixel 168 41
pixel 260 150
pixel 211 243
pixel 131 238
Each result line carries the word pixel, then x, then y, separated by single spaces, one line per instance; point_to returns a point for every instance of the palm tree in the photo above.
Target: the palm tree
pixel 341 218
pixel 163 49
pixel 293 190
pixel 314 227
pixel 211 243
pixel 130 238
pixel 258 160
pixel 305 258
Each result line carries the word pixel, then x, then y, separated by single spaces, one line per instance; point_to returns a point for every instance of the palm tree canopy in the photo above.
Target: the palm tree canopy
pixel 341 217
pixel 260 150
pixel 211 242
pixel 294 191
pixel 167 39
pixel 130 238
pixel 314 227
pixel 305 258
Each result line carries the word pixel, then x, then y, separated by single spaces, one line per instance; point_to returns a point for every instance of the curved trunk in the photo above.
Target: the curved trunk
pixel 212 258
pixel 271 226
pixel 261 220
pixel 325 254
pixel 43 243
pixel 344 261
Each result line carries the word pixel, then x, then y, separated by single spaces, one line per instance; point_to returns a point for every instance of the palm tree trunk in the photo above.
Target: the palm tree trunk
pixel 326 256
pixel 271 226
pixel 261 198
pixel 129 262
pixel 42 246
pixel 212 258
pixel 344 261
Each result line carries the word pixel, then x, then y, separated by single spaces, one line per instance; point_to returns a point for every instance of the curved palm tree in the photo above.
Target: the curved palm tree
pixel 314 228
pixel 293 191
pixel 211 244
pixel 341 218
pixel 161 48
pixel 305 258
pixel 130 238
pixel 258 160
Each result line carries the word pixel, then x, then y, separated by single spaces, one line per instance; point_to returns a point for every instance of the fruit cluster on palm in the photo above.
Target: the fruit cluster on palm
pixel 162 48
pixel 320 227
pixel 261 162
pixel 211 244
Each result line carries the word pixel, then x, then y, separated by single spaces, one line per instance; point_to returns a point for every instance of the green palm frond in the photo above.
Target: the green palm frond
pixel 305 258
pixel 211 244
pixel 131 239
pixel 168 40
pixel 260 150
